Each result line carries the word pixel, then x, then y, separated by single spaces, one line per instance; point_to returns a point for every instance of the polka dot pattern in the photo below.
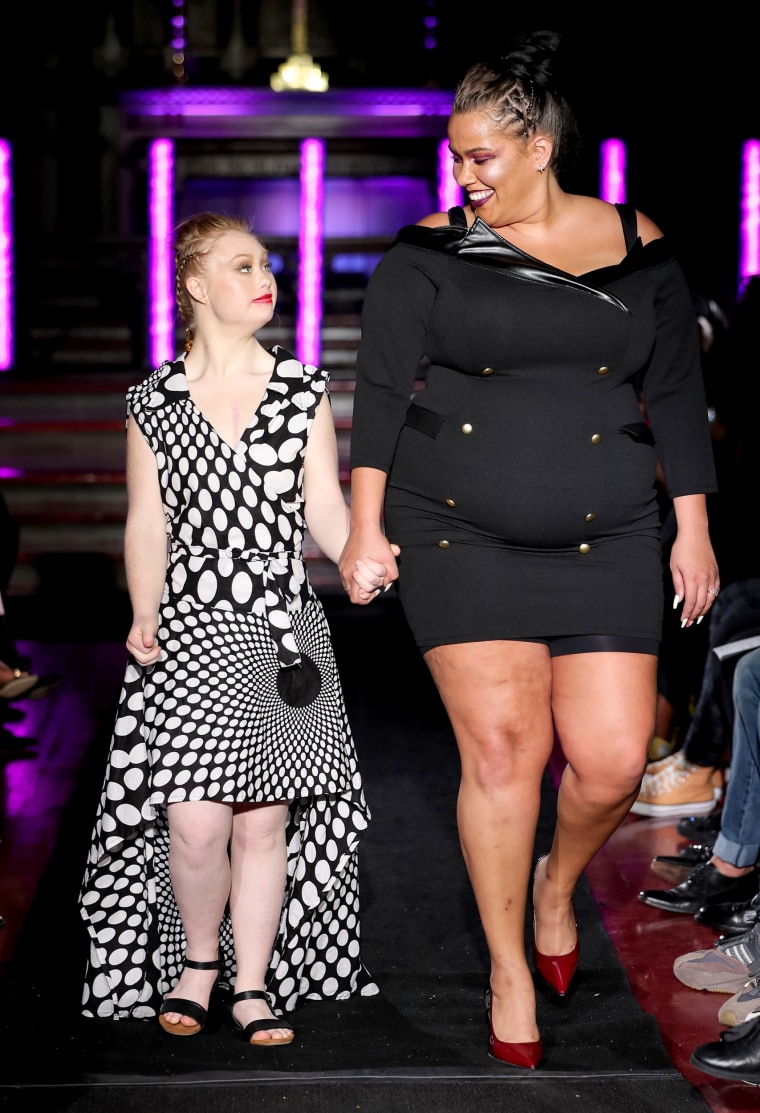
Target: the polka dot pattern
pixel 207 722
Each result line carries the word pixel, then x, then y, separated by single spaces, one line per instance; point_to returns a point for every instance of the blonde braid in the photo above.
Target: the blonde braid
pixel 193 239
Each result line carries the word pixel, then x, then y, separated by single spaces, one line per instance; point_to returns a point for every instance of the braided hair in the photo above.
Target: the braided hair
pixel 517 93
pixel 194 238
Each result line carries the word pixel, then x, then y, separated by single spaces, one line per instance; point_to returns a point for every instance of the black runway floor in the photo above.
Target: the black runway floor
pixel 420 1044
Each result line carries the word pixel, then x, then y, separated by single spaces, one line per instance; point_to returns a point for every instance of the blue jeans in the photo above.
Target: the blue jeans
pixel 739 838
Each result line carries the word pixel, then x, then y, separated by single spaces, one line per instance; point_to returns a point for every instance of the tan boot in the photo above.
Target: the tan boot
pixel 677 787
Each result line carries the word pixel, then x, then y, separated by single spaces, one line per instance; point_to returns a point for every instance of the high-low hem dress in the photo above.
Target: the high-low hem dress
pixel 244 705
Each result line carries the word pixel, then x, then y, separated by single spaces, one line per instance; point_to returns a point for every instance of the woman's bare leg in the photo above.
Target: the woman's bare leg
pixel 604 708
pixel 497 696
pixel 199 866
pixel 259 867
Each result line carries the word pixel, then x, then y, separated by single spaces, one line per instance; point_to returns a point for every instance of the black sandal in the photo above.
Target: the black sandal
pixel 185 1007
pixel 261 1025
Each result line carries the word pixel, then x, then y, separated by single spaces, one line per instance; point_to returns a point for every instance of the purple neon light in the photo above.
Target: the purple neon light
pixel 749 246
pixel 6 257
pixel 309 311
pixel 612 171
pixel 449 193
pixel 161 302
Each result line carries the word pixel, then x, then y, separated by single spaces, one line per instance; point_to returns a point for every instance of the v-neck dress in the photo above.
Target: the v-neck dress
pixel 522 475
pixel 220 717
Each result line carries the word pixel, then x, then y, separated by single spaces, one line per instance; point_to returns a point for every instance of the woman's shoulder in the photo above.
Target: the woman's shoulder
pixel 289 366
pixel 434 220
pixel 158 386
pixel 647 228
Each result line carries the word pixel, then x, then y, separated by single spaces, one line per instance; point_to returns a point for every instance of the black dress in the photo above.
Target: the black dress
pixel 522 476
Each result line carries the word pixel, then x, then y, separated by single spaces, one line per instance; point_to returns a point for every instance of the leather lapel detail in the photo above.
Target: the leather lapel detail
pixel 481 246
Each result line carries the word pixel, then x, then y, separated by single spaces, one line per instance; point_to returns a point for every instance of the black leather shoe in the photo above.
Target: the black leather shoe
pixel 700 828
pixel 735 1055
pixel 732 918
pixel 675 868
pixel 704 886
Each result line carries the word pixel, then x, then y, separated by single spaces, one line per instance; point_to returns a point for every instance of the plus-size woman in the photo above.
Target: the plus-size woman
pixel 519 482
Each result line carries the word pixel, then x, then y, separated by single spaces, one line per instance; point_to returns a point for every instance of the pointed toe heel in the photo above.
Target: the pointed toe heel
pixel 558 971
pixel 527 1055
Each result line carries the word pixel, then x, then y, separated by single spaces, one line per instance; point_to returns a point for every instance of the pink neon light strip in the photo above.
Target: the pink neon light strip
pixel 749 244
pixel 612 170
pixel 449 193
pixel 161 301
pixel 6 257
pixel 309 309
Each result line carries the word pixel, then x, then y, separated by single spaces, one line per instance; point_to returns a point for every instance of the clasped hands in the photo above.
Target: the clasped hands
pixel 364 578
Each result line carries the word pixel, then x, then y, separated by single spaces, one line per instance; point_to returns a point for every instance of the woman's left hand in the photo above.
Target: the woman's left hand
pixel 695 577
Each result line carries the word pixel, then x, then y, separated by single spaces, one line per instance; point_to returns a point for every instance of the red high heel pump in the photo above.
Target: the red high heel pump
pixel 556 970
pixel 528 1055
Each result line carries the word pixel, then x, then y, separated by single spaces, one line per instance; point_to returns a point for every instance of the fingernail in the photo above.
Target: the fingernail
pixel 376 592
pixel 676 601
pixel 700 619
pixel 388 586
pixel 684 623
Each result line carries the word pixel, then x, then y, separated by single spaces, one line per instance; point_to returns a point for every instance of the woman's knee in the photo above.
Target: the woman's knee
pixel 497 759
pixel 199 828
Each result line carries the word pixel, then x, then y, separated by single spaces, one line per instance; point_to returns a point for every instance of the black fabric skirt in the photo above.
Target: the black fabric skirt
pixel 458 585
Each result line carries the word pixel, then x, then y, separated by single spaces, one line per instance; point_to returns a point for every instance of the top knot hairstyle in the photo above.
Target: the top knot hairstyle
pixel 519 95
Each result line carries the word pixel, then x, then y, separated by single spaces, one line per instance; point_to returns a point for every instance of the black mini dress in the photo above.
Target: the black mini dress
pixel 522 473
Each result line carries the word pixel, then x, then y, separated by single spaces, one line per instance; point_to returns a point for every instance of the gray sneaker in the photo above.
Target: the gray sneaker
pixel 725 968
pixel 738 1008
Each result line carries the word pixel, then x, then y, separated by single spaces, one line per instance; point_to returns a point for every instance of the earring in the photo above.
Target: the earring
pixel 542 167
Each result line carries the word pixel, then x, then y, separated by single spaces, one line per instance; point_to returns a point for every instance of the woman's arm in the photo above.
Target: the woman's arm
pixel 326 512
pixel 692 560
pixel 145 546
pixel 367 540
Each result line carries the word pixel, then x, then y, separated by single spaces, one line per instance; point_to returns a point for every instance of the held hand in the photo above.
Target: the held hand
pixel 369 576
pixel 363 575
pixel 695 577
pixel 141 640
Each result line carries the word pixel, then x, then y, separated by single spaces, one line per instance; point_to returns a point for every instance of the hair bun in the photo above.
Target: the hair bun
pixel 531 58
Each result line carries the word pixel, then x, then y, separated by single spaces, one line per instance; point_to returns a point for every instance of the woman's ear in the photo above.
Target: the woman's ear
pixel 542 151
pixel 195 288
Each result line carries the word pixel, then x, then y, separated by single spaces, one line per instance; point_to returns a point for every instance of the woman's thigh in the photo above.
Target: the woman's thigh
pixel 604 710
pixel 497 695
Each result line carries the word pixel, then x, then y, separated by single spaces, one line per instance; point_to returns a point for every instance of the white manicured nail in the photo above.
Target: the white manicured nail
pixel 676 601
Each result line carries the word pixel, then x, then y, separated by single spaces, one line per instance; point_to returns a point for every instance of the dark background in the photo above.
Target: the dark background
pixel 680 88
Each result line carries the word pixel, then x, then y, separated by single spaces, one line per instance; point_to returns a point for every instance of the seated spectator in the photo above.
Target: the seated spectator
pixel 732 966
pixel 691 781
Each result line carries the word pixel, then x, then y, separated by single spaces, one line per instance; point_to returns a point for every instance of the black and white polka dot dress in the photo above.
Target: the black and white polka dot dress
pixel 244 705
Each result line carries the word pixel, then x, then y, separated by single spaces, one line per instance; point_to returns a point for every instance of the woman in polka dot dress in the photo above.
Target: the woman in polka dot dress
pixel 225 844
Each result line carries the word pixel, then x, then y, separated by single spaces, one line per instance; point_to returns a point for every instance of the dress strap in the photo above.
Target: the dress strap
pixel 627 215
pixel 457 217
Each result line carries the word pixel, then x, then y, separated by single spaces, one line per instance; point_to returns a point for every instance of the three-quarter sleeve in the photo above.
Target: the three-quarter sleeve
pixel 397 304
pixel 674 390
